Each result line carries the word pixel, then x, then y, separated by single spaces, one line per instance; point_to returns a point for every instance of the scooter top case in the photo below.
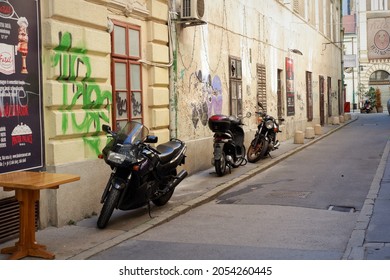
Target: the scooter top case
pixel 219 123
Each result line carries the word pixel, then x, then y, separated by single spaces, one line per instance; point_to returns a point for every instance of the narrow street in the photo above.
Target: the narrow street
pixel 305 207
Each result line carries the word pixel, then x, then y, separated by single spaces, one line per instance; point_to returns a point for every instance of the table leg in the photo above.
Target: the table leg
pixel 27 245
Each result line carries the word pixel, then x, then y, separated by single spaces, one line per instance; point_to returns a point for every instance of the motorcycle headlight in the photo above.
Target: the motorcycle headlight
pixel 269 124
pixel 116 158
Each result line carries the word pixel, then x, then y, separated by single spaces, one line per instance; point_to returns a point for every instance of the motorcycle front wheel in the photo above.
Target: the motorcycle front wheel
pixel 256 152
pixel 220 165
pixel 108 207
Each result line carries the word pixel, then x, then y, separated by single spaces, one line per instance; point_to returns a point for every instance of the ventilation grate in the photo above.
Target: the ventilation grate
pixel 9 218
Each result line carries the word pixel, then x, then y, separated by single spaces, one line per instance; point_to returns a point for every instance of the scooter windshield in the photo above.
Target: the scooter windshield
pixel 133 132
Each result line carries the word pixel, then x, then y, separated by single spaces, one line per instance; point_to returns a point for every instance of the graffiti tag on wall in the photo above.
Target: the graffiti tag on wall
pixel 79 89
pixel 207 98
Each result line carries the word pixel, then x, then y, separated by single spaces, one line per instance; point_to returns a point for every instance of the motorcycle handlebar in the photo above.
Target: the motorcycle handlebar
pixel 264 114
pixel 148 147
pixel 260 113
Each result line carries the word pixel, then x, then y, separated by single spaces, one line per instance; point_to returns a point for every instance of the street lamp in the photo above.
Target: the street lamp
pixel 296 51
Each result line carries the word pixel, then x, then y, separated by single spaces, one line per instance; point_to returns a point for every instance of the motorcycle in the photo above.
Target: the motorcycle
pixel 229 149
pixel 367 106
pixel 265 138
pixel 140 173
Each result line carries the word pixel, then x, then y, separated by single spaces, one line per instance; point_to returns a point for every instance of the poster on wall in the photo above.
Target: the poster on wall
pixel 290 87
pixel 21 143
pixel 378 38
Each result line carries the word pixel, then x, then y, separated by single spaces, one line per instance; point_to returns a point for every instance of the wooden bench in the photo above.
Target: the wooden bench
pixel 27 185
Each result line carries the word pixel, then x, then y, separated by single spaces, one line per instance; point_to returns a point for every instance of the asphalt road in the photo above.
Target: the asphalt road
pixel 305 207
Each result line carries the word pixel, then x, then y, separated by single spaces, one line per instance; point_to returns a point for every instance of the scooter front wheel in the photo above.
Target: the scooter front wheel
pixel 220 165
pixel 108 207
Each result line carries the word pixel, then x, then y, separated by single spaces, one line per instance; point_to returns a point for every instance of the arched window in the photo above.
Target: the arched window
pixel 380 77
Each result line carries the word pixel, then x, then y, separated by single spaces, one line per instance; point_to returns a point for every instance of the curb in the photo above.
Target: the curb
pixel 355 248
pixel 202 199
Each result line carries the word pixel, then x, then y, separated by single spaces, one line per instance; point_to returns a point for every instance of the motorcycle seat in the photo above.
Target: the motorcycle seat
pixel 168 150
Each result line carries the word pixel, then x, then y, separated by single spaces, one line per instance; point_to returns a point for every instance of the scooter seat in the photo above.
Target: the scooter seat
pixel 235 121
pixel 169 150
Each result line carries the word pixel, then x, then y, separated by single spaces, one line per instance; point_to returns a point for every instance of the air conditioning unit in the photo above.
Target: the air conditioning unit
pixel 192 9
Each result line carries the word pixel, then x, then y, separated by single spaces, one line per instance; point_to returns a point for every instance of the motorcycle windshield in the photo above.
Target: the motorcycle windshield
pixel 132 132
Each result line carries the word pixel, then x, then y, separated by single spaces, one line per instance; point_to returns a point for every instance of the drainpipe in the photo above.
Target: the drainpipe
pixel 357 13
pixel 172 33
pixel 341 55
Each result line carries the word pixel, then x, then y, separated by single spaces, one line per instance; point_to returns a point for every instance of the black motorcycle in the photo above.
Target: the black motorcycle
pixel 140 173
pixel 229 149
pixel 265 138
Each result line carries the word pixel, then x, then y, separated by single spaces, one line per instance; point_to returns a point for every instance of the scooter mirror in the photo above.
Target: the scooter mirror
pixel 248 115
pixel 260 105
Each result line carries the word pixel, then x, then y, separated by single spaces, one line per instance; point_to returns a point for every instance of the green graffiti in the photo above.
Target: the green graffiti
pixel 80 90
pixel 92 119
pixel 90 93
pixel 93 143
pixel 70 60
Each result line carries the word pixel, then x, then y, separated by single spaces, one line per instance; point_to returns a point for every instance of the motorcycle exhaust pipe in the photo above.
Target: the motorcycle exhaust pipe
pixel 182 174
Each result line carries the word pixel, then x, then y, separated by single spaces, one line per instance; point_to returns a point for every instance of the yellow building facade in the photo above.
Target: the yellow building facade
pixel 83 93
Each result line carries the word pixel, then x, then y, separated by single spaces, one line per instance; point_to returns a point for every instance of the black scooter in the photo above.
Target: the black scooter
pixel 229 149
pixel 140 173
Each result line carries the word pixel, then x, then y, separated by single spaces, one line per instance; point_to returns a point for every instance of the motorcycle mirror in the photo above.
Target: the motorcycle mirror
pixel 106 128
pixel 260 105
pixel 151 139
pixel 248 115
pixel 281 119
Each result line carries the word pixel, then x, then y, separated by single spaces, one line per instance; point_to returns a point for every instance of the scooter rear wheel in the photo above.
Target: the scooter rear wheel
pixel 108 207
pixel 220 165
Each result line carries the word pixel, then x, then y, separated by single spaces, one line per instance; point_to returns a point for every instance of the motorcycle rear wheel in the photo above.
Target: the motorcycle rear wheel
pixel 108 207
pixel 162 200
pixel 220 165
pixel 256 152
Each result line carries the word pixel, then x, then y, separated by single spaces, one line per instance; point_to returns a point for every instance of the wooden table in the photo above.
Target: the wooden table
pixel 27 185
